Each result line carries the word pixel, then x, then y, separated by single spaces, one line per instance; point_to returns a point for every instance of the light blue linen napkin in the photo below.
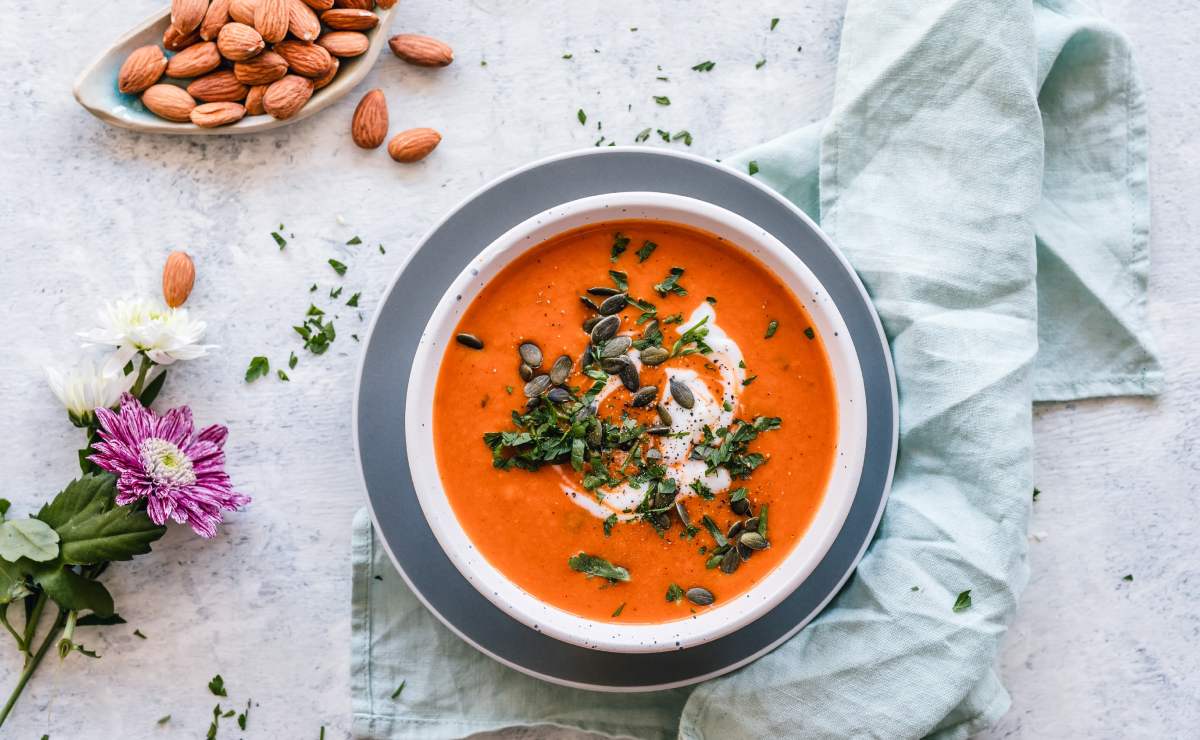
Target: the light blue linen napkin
pixel 984 170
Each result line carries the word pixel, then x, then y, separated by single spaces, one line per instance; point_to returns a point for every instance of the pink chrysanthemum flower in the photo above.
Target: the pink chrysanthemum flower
pixel 161 459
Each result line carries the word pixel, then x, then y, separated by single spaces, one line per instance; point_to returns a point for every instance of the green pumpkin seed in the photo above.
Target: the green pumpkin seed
pixel 744 552
pixel 650 328
pixel 615 346
pixel 654 356
pixel 605 328
pixel 662 521
pixel 682 394
pixel 558 395
pixel 752 524
pixel 589 323
pixel 561 370
pixel 681 510
pixel 525 371
pixel 589 303
pixel 469 340
pixel 614 304
pixel 734 530
pixel 537 386
pixel 603 291
pixel 587 357
pixel 629 377
pixel 531 354
pixel 653 454
pixel 658 431
pixel 644 396
pixel 741 507
pixel 730 562
pixel 700 596
pixel 753 540
pixel 663 415
pixel 614 365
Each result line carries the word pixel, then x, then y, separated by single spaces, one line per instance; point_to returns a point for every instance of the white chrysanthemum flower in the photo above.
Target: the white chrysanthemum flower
pixel 86 387
pixel 164 334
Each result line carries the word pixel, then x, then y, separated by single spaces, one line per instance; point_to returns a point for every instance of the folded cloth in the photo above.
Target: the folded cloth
pixel 984 170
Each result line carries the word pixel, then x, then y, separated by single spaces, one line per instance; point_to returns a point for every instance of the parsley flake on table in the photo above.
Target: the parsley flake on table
pixel 338 267
pixel 662 100
pixel 568 55
pixel 259 367
pixel 353 300
pixel 138 633
pixel 292 360
pixel 1128 577
pixel 963 602
pixel 685 135
pixel 217 687
pixel 335 292
pixel 400 688
pixel 752 168
pixel 774 22
pixel 279 239
pixel 665 135
pixel 581 116
pixel 282 375
pixel 382 250
pixel 759 64
pixel 354 241
pixel 244 716
pixel 705 66
pixel 164 719
pixel 642 135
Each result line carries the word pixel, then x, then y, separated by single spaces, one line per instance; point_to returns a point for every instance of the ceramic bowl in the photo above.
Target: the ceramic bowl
pixel 775 585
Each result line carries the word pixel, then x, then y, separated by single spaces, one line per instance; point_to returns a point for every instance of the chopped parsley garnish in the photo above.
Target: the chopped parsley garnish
pixel 353 300
pixel 711 299
pixel 619 609
pixel 581 116
pixel 759 64
pixel 597 567
pixel 259 367
pixel 292 360
pixel 335 292
pixel 338 267
pixel 762 520
pixel 609 523
pixel 702 490
pixel 282 375
pixel 691 341
pixel 772 327
pixel 685 135
pixel 774 22
pixel 382 250
pixel 1128 577
pixel 674 593
pixel 316 332
pixel 664 135
pixel 705 66
pixel 728 447
pixel 646 250
pixel 217 686
pixel 244 716
pixel 963 601
pixel 662 100
pixel 354 241
pixel 752 168
pixel 808 332
pixel 642 135
pixel 568 55
pixel 279 239
pixel 619 245
pixel 749 380
pixel 670 284
pixel 163 719
pixel 138 633
pixel 396 693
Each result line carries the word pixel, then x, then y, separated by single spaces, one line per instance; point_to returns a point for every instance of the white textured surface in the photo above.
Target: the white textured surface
pixel 89 211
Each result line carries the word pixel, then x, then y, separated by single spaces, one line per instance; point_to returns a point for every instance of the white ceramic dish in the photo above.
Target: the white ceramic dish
pixel 773 587
pixel 96 87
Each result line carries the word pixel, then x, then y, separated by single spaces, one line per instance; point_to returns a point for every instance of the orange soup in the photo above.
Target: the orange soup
pixel 636 422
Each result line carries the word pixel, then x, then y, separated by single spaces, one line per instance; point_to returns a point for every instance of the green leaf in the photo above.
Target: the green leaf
pixel 674 593
pixel 93 528
pixel 72 591
pixel 963 601
pixel 592 565
pixel 150 392
pixel 258 368
pixel 27 538
pixel 338 267
pixel 217 686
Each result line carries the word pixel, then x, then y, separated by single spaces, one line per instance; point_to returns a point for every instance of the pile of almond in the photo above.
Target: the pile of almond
pixel 247 57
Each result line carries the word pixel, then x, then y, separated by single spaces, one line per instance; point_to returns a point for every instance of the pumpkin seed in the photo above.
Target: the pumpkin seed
pixel 589 303
pixel 644 396
pixel 531 354
pixel 589 323
pixel 735 530
pixel 561 370
pixel 753 540
pixel 558 395
pixel 629 377
pixel 615 346
pixel 681 510
pixel 744 552
pixel 602 290
pixel 469 340
pixel 605 328
pixel 700 596
pixel 587 358
pixel 525 371
pixel 682 394
pixel 650 328
pixel 654 356
pixel 537 386
pixel 614 365
pixel 614 304
pixel 731 561
pixel 752 524
pixel 658 431
pixel 663 415
pixel 662 521
pixel 741 507
pixel 653 454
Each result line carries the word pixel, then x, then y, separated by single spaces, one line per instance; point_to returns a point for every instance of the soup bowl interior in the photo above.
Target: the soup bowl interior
pixel 775 585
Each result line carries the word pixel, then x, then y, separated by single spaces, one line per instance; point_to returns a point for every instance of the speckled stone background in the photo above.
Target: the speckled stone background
pixel 89 212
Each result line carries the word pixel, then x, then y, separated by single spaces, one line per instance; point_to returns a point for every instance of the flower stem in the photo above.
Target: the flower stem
pixel 32 665
pixel 136 390
pixel 32 622
pixel 8 626
pixel 67 643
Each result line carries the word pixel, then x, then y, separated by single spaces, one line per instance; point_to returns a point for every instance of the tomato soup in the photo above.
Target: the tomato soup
pixel 637 421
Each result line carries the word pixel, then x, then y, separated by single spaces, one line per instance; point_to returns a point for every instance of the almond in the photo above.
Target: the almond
pixel 330 73
pixel 271 19
pixel 304 58
pixel 355 4
pixel 186 15
pixel 261 70
pixel 319 4
pixel 217 16
pixel 254 100
pixel 369 126
pixel 179 274
pixel 425 51
pixel 414 144
pixel 349 19
pixel 196 60
pixel 242 11
pixel 302 21
pixel 211 115
pixel 169 102
pixel 141 69
pixel 287 95
pixel 217 87
pixel 173 40
pixel 344 43
pixel 239 42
